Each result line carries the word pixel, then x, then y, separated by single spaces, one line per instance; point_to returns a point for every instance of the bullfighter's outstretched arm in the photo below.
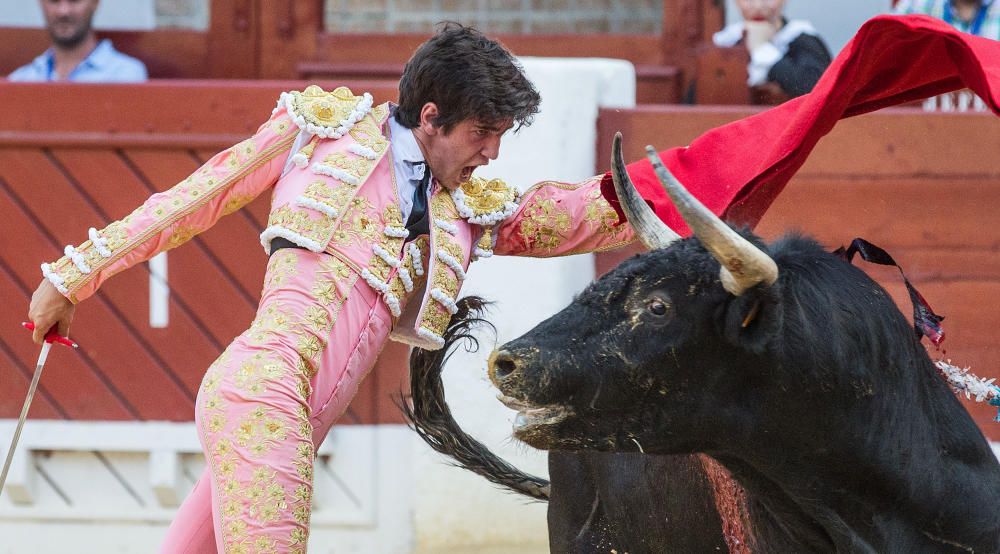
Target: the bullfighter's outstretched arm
pixel 561 219
pixel 224 184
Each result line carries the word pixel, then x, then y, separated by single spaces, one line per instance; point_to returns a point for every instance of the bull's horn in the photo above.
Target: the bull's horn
pixel 743 264
pixel 650 229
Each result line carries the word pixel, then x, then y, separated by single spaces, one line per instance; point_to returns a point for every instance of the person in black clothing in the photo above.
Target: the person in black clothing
pixel 784 54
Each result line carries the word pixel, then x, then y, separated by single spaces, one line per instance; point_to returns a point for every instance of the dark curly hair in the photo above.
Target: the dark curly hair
pixel 468 76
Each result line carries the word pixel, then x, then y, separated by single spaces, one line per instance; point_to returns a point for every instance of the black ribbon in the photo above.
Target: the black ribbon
pixel 926 323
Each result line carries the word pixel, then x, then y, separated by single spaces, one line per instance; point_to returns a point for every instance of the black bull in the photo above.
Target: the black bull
pixel 784 363
pixel 598 502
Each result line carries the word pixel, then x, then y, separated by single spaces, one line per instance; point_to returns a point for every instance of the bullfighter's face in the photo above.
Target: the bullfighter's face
pixel 631 354
pixel 453 154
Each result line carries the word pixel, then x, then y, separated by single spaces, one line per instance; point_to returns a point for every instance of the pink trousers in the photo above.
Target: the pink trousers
pixel 267 403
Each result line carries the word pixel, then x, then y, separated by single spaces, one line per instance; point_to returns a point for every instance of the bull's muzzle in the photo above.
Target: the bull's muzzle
pixel 503 368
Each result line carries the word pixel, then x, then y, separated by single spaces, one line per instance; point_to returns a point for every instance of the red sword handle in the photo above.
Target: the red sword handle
pixel 52 336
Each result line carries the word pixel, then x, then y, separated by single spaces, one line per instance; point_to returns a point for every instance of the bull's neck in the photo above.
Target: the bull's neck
pixel 859 491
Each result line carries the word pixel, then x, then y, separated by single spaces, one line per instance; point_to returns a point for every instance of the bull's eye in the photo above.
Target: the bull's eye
pixel 657 307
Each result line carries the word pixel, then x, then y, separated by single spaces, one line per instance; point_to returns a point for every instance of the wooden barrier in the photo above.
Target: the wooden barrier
pixel 75 156
pixel 924 186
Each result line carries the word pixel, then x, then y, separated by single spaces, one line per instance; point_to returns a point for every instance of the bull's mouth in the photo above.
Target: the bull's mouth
pixel 530 417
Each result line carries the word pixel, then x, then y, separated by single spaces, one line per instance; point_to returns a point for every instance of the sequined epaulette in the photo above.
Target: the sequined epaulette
pixel 326 114
pixel 485 201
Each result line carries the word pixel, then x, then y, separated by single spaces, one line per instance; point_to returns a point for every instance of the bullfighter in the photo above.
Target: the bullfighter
pixel 375 218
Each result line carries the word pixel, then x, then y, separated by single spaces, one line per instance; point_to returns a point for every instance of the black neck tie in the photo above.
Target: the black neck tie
pixel 417 224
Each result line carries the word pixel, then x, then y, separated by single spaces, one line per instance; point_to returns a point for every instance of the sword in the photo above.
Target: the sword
pixel 51 337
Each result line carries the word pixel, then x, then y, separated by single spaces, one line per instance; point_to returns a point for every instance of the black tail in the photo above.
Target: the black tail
pixel 431 418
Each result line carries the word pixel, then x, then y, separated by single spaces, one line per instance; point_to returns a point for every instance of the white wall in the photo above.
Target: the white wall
pixel 111 14
pixel 836 21
pixel 455 509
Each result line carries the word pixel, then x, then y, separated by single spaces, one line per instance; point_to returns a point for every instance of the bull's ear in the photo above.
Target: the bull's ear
pixel 754 318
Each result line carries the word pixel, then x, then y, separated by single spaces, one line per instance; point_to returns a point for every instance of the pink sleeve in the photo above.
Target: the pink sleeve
pixel 227 182
pixel 560 219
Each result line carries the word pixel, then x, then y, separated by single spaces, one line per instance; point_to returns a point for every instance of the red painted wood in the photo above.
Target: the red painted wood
pixel 33 177
pixel 70 381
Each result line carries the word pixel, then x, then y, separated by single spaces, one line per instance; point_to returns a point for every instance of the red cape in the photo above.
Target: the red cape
pixel 737 170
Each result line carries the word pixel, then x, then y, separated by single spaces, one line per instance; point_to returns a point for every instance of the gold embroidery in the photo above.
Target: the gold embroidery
pixel 321 108
pixel 367 133
pixel 281 126
pixel 357 225
pixel 335 197
pixel 270 320
pixel 300 222
pixel 485 197
pixel 236 202
pixel 245 150
pixel 282 266
pixel 259 433
pixel 180 235
pixel 309 346
pixel 319 319
pixel 600 215
pixel 355 165
pixel 254 373
pixel 544 223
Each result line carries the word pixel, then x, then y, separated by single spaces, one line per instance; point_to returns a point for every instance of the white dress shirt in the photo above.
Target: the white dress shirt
pixel 408 163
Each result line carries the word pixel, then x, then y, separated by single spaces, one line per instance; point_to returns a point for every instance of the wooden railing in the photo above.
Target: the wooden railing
pixel 76 156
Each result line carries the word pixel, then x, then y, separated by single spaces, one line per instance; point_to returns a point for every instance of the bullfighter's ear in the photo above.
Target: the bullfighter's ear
pixel 753 318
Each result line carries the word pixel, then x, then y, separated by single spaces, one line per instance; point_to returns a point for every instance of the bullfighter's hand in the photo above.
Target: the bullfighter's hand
pixel 49 308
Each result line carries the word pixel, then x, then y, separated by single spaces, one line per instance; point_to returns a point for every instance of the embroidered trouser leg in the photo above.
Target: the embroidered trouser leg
pixel 269 400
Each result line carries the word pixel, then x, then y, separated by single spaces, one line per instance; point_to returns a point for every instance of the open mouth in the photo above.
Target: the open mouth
pixel 529 416
pixel 466 173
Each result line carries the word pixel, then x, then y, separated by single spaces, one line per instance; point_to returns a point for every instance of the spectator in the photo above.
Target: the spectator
pixel 76 54
pixel 785 55
pixel 976 17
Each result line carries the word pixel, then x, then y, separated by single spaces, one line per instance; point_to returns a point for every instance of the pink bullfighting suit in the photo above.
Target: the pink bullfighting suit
pixel 328 306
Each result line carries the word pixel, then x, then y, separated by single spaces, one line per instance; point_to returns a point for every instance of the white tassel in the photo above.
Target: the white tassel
pixel 385 255
pixel 418 261
pixel 99 243
pixel 54 278
pixel 451 262
pixel 316 205
pixel 275 231
pixel 431 336
pixel 396 232
pixel 404 276
pixel 363 151
pixel 336 173
pixel 445 226
pixel 78 259
pixel 444 300
pixel 300 160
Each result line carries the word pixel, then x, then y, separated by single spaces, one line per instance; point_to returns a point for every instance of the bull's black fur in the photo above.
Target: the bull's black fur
pixel 598 502
pixel 825 407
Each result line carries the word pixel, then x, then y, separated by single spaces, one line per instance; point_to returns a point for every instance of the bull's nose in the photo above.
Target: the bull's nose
pixel 503 364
